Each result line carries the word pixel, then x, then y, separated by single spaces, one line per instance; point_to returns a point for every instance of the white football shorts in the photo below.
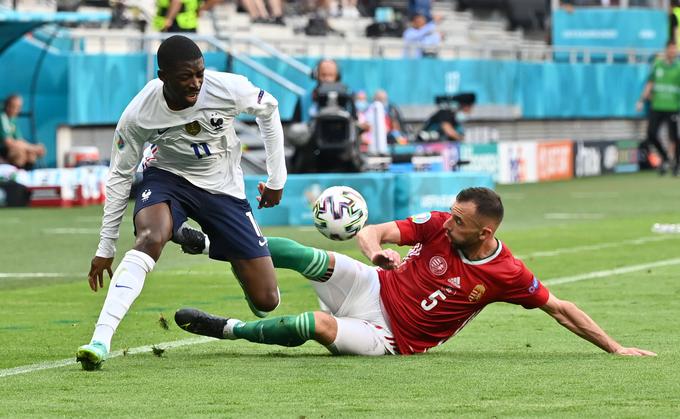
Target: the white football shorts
pixel 352 296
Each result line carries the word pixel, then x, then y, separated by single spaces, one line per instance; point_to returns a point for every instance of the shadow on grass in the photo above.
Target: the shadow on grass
pixel 462 356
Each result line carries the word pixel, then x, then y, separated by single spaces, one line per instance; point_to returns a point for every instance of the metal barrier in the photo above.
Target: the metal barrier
pixel 147 43
pixel 334 47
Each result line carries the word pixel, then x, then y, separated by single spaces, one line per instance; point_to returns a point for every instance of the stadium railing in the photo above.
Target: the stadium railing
pixel 241 46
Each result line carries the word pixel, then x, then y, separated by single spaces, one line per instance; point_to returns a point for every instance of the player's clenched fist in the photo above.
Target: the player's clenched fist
pixel 386 259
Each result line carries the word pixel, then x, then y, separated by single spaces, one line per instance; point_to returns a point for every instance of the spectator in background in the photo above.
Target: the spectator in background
pixel 376 120
pixel 180 15
pixel 361 106
pixel 420 7
pixel 360 102
pixel 422 39
pixel 392 119
pixel 259 13
pixel 13 148
pixel 662 92
pixel 380 122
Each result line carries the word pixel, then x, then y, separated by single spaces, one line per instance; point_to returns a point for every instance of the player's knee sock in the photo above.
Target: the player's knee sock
pixel 309 261
pixel 125 286
pixel 284 331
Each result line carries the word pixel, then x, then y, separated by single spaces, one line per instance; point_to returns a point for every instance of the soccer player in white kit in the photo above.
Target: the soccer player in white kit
pixel 187 116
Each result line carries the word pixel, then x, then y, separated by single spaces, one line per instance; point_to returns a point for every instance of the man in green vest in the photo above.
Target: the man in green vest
pixel 663 91
pixel 180 15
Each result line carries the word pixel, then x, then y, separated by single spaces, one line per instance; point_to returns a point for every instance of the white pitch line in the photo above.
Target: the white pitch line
pixel 610 272
pixel 606 245
pixel 66 362
pixel 573 216
pixel 71 231
pixel 33 275
pixel 594 195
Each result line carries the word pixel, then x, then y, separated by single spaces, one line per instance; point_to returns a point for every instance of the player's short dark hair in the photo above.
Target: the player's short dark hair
pixel 487 201
pixel 177 49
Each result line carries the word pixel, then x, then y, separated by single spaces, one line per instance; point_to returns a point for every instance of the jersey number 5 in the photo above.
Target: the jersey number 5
pixel 427 306
pixel 201 147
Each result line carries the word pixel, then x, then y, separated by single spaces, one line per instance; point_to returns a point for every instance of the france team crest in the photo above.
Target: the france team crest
pixel 193 128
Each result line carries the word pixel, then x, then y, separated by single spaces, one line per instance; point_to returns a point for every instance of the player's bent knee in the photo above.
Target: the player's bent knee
pixel 266 300
pixel 150 242
pixel 326 328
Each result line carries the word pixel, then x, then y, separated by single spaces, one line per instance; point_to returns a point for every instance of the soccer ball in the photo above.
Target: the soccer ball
pixel 339 212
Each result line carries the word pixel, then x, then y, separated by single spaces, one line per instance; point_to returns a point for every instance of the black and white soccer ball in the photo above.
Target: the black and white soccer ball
pixel 340 212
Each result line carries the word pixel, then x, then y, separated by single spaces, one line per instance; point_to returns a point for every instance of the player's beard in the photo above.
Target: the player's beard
pixel 464 244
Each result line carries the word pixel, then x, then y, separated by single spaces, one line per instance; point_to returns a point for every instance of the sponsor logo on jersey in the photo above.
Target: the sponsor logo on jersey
pixel 262 241
pixel 146 194
pixel 120 143
pixel 421 218
pixel 162 131
pixel 260 96
pixel 534 286
pixel 454 281
pixel 193 128
pixel 216 121
pixel 438 265
pixel 477 293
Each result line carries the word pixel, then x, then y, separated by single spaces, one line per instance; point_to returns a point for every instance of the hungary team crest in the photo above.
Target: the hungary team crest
pixel 193 128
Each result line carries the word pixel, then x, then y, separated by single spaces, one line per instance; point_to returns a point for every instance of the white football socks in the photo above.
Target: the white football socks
pixel 125 287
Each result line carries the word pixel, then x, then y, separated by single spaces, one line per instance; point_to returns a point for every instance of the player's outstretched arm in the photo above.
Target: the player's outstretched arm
pixel 97 268
pixel 370 239
pixel 578 322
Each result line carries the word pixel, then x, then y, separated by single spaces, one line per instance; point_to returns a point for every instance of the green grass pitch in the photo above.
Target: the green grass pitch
pixel 508 362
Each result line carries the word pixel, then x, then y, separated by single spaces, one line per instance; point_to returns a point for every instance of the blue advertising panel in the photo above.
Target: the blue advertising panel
pixel 610 27
pixel 301 191
pixel 433 191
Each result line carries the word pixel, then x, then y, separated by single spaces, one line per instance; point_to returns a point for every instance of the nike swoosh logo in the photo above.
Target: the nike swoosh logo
pixel 123 286
pixel 262 242
pixel 162 131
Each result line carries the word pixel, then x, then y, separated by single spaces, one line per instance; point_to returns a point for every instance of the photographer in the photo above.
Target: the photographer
pixel 447 123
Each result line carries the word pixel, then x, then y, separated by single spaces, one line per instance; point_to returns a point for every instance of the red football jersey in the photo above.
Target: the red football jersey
pixel 435 291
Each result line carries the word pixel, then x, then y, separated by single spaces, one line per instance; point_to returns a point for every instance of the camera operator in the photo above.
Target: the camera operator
pixel 329 143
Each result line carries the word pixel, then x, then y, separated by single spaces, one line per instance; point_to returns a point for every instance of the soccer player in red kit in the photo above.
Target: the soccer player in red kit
pixel 455 267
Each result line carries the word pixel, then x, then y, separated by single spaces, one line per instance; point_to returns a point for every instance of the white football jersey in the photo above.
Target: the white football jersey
pixel 197 143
